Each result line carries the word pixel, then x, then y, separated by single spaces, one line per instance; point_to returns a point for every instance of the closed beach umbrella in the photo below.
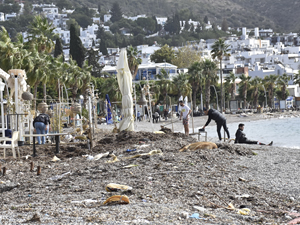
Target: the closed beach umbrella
pixel 125 84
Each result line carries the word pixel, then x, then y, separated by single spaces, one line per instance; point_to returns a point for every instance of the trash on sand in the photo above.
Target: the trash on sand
pixel 242 196
pixel 114 159
pixel 117 199
pixel 199 145
pixel 27 157
pixel 90 157
pixel 129 166
pixel 202 209
pixel 131 150
pixel 55 159
pixel 58 177
pixel 153 152
pixel 244 211
pixel 159 132
pixel 2 182
pixel 81 137
pixel 230 206
pixel 195 216
pixel 242 179
pixel 35 218
pixel 117 187
pixel 84 201
pixel 99 156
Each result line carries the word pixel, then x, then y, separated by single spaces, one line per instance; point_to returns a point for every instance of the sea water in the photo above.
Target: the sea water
pixel 284 132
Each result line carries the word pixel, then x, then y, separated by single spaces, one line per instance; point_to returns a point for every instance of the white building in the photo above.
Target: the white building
pixel 2 18
pixel 161 20
pixel 63 34
pixel 107 17
pixel 146 51
pixel 10 16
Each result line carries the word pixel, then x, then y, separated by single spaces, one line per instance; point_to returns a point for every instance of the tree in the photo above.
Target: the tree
pixel 77 50
pixel 231 85
pixel 224 25
pixel 165 54
pixel 58 50
pixel 209 70
pixel 196 79
pixel 283 82
pixel 133 60
pixel 103 47
pixel 206 19
pixel 173 25
pixel 186 56
pixel 219 50
pixel 116 12
pixel 186 26
pixel 181 83
pixel 255 84
pixel 245 86
pixel 165 84
pixel 270 82
pixel 296 78
pixel 93 60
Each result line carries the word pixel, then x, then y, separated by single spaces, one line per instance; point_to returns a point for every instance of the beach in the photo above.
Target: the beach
pixel 168 187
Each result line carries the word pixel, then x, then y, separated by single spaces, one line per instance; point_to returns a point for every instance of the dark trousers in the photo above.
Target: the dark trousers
pixel 247 141
pixel 222 124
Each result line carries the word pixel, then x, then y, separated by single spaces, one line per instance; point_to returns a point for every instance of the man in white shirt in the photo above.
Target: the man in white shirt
pixel 185 112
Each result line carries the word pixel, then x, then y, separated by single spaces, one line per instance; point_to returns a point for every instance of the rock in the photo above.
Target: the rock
pixel 201 209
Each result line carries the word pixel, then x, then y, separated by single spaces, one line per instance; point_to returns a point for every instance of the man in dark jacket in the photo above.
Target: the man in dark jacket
pixel 40 124
pixel 240 137
pixel 219 119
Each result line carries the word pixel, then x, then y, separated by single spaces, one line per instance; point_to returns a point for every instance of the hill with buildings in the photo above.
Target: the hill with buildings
pixel 280 15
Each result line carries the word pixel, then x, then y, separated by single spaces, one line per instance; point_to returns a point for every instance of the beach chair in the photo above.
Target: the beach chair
pixel 13 144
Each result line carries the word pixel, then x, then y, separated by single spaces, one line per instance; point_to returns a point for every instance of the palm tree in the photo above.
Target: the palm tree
pixel 297 78
pixel 209 70
pixel 182 84
pixel 255 84
pixel 196 79
pixel 219 50
pixel 133 60
pixel 231 85
pixel 270 82
pixel 283 81
pixel 165 85
pixel 245 86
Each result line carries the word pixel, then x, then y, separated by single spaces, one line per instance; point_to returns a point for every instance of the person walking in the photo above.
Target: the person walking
pixel 184 114
pixel 166 114
pixel 138 116
pixel 219 119
pixel 40 124
pixel 240 137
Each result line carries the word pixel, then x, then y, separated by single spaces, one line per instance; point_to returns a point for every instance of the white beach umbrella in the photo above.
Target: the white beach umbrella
pixel 125 84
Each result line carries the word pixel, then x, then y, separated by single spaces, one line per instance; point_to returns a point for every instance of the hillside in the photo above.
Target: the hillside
pixel 281 15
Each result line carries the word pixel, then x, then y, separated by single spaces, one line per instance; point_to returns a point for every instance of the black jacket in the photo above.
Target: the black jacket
pixel 44 118
pixel 216 116
pixel 240 136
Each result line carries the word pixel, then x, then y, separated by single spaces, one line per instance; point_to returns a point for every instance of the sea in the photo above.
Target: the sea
pixel 283 131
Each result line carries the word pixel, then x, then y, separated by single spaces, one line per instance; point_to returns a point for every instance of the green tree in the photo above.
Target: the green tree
pixel 133 60
pixel 58 50
pixel 186 56
pixel 209 70
pixel 244 85
pixel 270 82
pixel 224 25
pixel 296 78
pixel 103 47
pixel 164 54
pixel 231 85
pixel 93 60
pixel 181 83
pixel 283 82
pixel 77 51
pixel 206 19
pixel 196 79
pixel 256 84
pixel 220 50
pixel 116 12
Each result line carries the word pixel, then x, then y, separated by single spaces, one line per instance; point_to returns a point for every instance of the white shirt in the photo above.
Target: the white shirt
pixel 185 110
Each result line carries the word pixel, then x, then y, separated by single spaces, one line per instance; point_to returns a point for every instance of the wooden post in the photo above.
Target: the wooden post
pixel 192 114
pixel 38 170
pixel 31 166
pixel 3 171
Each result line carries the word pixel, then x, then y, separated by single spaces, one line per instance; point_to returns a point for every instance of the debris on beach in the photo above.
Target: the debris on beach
pixel 117 199
pixel 199 145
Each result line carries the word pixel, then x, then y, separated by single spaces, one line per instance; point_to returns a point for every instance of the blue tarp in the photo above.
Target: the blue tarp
pixel 108 108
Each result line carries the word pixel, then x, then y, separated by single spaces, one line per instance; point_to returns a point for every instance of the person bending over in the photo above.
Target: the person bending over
pixel 240 137
pixel 219 119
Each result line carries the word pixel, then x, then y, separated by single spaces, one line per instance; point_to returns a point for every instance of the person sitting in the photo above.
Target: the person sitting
pixel 240 137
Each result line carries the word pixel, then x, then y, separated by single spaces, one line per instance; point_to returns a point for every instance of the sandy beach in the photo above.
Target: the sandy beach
pixel 168 187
